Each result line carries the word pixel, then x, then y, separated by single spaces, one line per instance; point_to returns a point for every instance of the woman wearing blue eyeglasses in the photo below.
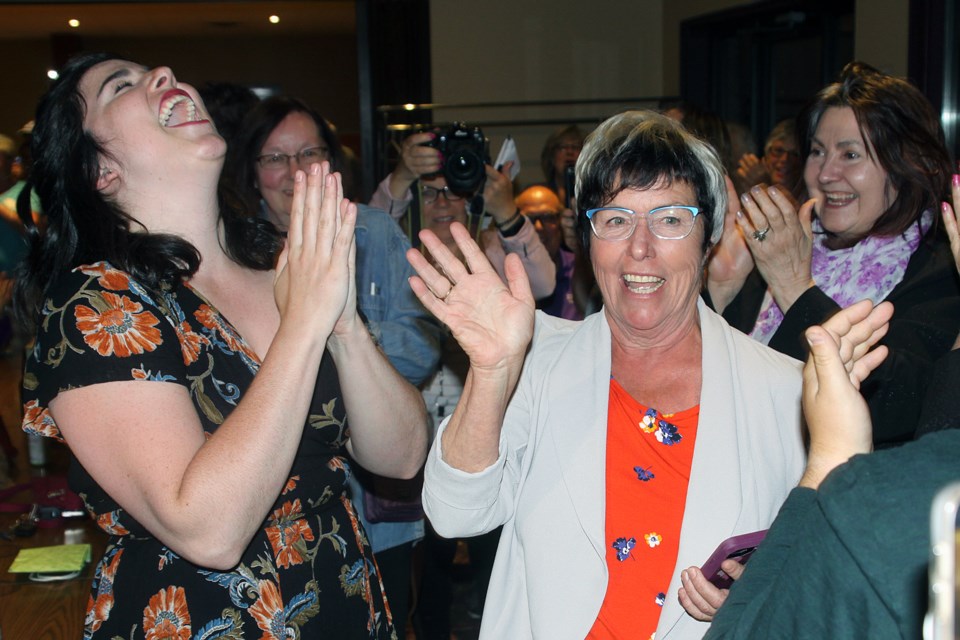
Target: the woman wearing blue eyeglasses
pixel 620 450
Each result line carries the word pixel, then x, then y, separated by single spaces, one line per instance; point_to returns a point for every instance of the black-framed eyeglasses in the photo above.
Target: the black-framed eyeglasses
pixel 672 222
pixel 430 194
pixel 304 158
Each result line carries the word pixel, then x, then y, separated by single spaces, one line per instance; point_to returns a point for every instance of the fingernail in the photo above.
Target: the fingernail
pixel 944 206
pixel 756 189
pixel 773 191
pixel 683 575
pixel 739 214
pixel 956 179
pixel 298 176
pixel 745 198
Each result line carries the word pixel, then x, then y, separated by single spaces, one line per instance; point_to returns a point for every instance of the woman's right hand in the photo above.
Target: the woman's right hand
pixel 701 598
pixel 750 170
pixel 416 160
pixel 492 321
pixel 314 276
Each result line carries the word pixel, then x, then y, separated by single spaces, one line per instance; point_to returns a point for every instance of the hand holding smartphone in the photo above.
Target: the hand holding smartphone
pixel 739 548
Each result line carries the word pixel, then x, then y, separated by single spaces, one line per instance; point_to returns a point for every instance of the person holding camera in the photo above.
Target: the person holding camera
pixel 443 203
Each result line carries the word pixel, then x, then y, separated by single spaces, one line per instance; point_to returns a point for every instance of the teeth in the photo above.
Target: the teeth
pixel 643 284
pixel 837 199
pixel 168 106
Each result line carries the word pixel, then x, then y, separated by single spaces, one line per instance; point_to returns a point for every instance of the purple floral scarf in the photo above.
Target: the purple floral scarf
pixel 869 269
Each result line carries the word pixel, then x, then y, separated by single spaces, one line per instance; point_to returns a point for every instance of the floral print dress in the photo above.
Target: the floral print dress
pixel 308 573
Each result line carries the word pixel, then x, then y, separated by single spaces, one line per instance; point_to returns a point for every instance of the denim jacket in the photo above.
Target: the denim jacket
pixel 409 335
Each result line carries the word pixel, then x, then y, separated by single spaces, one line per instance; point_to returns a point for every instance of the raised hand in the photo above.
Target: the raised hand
pixel 492 321
pixel 781 241
pixel 730 261
pixel 415 160
pixel 950 221
pixel 498 193
pixel 314 285
pixel 841 358
pixel 750 170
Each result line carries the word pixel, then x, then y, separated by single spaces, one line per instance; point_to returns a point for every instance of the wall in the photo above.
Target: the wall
pixel 673 14
pixel 297 65
pixel 23 80
pixel 517 51
pixel 882 34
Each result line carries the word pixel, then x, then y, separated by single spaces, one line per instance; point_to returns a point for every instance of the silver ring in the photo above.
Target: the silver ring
pixel 761 234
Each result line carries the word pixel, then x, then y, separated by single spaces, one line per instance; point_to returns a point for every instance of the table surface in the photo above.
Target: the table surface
pixel 51 610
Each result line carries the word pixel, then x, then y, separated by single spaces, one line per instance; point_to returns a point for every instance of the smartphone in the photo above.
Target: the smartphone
pixel 940 622
pixel 569 182
pixel 738 548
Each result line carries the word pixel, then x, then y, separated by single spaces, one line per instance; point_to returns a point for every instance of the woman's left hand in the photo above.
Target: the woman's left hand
pixel 699 597
pixel 781 241
pixel 492 321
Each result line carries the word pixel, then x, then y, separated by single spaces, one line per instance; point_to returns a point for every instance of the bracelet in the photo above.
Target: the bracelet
pixel 510 227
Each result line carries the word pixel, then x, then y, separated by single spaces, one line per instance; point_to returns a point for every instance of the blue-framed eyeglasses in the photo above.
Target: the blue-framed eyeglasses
pixel 673 222
pixel 430 194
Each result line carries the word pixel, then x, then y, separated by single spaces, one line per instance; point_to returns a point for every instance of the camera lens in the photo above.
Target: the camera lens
pixel 464 171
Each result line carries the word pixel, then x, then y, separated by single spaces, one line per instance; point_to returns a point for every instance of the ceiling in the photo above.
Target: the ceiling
pixel 31 20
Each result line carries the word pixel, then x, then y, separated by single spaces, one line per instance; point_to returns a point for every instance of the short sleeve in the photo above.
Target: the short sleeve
pixel 99 325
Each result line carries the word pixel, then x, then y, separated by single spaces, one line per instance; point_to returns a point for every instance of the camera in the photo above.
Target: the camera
pixel 465 152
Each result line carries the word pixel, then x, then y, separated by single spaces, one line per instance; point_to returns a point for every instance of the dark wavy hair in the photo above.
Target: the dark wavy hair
pixel 645 150
pixel 259 123
pixel 82 226
pixel 904 137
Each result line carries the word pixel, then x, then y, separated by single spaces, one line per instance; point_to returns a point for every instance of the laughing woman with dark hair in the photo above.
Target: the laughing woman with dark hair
pixel 877 170
pixel 202 372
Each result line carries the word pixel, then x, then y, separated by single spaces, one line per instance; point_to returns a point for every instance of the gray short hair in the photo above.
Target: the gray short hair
pixel 642 150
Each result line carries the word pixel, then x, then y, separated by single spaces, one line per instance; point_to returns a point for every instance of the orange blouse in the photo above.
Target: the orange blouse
pixel 649 456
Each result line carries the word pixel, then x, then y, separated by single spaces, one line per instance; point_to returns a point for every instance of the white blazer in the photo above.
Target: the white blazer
pixel 547 488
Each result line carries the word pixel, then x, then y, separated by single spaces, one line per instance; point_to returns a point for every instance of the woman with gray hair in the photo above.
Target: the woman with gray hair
pixel 585 439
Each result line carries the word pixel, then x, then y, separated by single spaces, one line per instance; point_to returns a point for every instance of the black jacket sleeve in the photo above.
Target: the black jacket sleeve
pixel 925 324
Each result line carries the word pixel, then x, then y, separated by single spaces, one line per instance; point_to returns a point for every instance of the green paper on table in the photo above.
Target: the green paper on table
pixel 58 559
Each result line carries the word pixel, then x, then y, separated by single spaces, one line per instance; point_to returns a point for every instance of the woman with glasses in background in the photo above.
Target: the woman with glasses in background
pixel 780 165
pixel 420 168
pixel 618 450
pixel 876 170
pixel 278 137
pixel 560 150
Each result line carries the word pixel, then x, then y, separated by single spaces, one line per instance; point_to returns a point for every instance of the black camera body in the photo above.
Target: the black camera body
pixel 465 151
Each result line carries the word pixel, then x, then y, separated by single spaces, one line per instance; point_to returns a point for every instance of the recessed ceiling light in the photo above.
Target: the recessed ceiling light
pixel 274 19
pixel 73 22
pixel 52 74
